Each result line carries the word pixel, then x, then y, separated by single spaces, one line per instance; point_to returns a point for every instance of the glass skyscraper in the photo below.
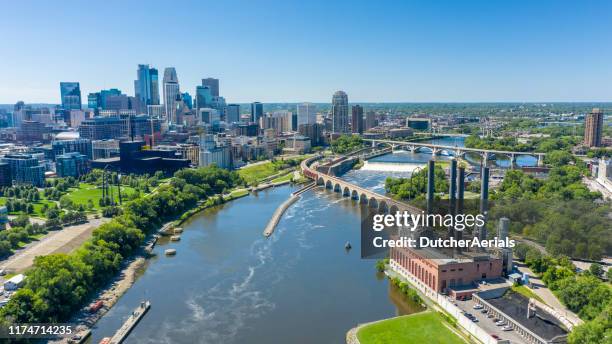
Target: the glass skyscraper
pixel 256 111
pixel 71 95
pixel 171 91
pixel 146 87
pixel 340 112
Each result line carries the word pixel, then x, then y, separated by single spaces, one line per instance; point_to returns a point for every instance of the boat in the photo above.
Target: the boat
pixel 170 252
pixel 178 230
pixel 105 340
pixel 347 246
pixel 175 238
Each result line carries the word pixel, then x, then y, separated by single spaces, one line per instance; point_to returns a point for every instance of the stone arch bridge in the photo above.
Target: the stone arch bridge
pixel 346 189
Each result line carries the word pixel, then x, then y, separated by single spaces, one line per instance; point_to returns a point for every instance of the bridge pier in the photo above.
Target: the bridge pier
pixel 513 161
pixel 540 160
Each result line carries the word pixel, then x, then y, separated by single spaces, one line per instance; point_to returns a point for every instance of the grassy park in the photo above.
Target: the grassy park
pixel 86 192
pixel 426 327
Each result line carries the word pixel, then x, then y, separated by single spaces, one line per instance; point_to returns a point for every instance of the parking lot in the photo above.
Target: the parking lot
pixel 488 324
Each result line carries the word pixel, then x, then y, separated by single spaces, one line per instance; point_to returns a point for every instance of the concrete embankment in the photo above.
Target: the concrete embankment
pixel 278 213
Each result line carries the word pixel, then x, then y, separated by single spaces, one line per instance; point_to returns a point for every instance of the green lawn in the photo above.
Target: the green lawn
pixel 37 207
pixel 87 192
pixel 286 177
pixel 417 328
pixel 528 293
pixel 255 173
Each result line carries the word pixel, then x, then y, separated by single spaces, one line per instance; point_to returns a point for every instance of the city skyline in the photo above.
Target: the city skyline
pixel 445 52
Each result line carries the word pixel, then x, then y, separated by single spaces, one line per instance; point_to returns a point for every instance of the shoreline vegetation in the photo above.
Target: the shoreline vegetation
pixel 61 286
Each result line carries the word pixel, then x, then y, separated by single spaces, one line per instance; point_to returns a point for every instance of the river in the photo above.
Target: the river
pixel 228 284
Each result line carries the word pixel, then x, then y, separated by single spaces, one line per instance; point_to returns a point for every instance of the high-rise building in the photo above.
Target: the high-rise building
pixel 340 112
pixel 306 114
pixel 203 97
pixel 593 126
pixel 256 111
pixel 187 99
pixel 101 128
pixel 357 119
pixel 146 87
pixel 82 146
pixel 313 131
pixel 71 95
pixel 171 91
pixel 213 84
pixel 233 113
pixel 370 121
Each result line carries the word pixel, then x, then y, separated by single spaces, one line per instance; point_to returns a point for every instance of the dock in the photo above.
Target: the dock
pixel 130 323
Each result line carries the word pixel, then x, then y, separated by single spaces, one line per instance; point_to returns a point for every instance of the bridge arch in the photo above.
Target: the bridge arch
pixel 328 184
pixel 355 195
pixel 383 207
pixel 373 202
pixel 337 187
pixel 393 209
pixel 320 181
pixel 363 198
pixel 346 192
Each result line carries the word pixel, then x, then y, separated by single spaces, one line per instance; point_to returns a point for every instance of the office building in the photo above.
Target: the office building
pixel 146 87
pixel 101 128
pixel 187 99
pixel 256 111
pixel 171 92
pixel 306 114
pixel 213 153
pixel 71 95
pixel 25 169
pixel 280 121
pixel 213 85
pixel 313 131
pixel 5 174
pixel 155 111
pixel 593 126
pixel 418 123
pixel 104 149
pixel 340 113
pixel 33 131
pixel 203 97
pixel 357 119
pixel 233 113
pixel 72 164
pixel 82 146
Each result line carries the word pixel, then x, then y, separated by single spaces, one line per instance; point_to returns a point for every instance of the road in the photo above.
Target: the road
pixel 62 241
pixel 593 185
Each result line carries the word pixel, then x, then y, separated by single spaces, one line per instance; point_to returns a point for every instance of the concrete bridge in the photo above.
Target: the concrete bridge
pixel 456 151
pixel 363 196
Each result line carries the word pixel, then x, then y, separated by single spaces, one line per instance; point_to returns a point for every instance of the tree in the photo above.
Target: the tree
pixel 596 269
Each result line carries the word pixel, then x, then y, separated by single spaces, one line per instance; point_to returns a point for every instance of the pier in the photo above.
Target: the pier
pixel 278 213
pixel 130 323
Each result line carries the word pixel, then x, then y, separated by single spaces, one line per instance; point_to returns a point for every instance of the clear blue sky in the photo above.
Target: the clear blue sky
pixel 276 51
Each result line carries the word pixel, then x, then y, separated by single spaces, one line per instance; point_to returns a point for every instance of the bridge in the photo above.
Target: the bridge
pixel 456 151
pixel 363 196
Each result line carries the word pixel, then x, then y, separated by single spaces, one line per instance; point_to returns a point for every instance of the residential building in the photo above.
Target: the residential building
pixel 101 128
pixel 593 126
pixel 5 174
pixel 357 119
pixel 370 121
pixel 213 153
pixel 25 169
pixel 313 131
pixel 340 112
pixel 71 95
pixel 72 164
pixel 33 131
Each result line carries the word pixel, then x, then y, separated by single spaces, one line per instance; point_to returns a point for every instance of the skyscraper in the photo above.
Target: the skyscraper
pixel 203 97
pixel 256 111
pixel 233 113
pixel 213 84
pixel 171 90
pixel 357 119
pixel 340 112
pixel 593 125
pixel 370 121
pixel 187 99
pixel 71 95
pixel 146 87
pixel 306 114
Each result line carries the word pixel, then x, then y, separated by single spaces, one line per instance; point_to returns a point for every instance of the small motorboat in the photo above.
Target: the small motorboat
pixel 170 252
pixel 347 246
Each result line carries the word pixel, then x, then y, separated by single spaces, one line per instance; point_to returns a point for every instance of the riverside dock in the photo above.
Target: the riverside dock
pixel 278 213
pixel 130 323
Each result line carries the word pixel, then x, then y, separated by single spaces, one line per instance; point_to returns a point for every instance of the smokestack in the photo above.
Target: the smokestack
pixel 484 190
pixel 460 189
pixel 452 193
pixel 431 165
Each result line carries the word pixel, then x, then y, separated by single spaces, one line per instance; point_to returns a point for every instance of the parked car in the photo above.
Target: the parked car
pixel 478 306
pixel 507 328
pixel 495 336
